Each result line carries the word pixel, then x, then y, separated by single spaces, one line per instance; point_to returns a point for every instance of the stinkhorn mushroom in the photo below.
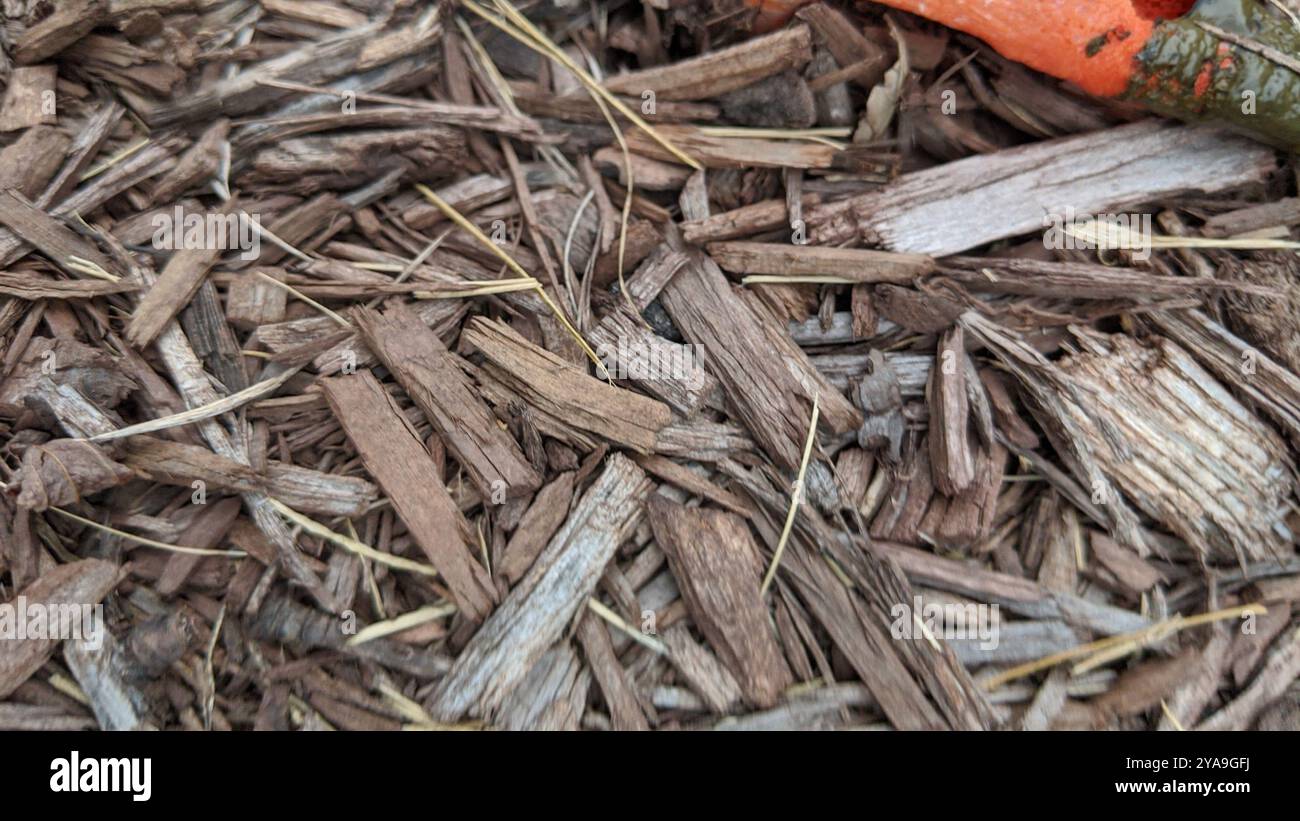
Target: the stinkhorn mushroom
pixel 1229 61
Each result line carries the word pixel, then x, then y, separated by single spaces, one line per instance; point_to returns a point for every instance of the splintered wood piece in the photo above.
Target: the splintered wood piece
pixel 213 339
pixel 32 287
pixel 1143 687
pixel 147 162
pixel 948 209
pixel 82 150
pixel 1131 570
pixel 1052 536
pixel 718 569
pixel 1073 280
pixel 1009 421
pixel 553 696
pixel 200 161
pixel 628 348
pixel 921 312
pixel 1285 211
pixel 536 613
pixel 51 237
pixel 951 459
pixel 207 530
pixel 581 108
pixel 105 675
pixel 346 347
pixel 1019 595
pixel 29 98
pixel 1045 388
pixel 906 677
pixel 184 273
pixel 765 375
pixel 394 455
pixel 30 162
pixel 745 221
pixel 1190 698
pixel 466 196
pixel 63 589
pixel 857 627
pixel 1271 387
pixel 68 23
pixel 857 264
pixel 62 471
pixel 715 73
pixel 669 372
pixel 624 709
pixel 252 302
pixel 934 667
pixel 316 11
pixel 713 151
pixel 319 61
pixel 281 619
pixel 438 386
pixel 564 391
pixel 711 681
pixel 1280 668
pixel 39 717
pixel 650 175
pixel 821 708
pixel 961 521
pixel 846 43
pixel 691 482
pixel 549 509
pixel 912 488
pixel 297 224
pixel 437 148
pixel 1181 446
pixel 303 489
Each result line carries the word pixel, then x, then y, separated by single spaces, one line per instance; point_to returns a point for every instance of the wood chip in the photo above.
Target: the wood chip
pixel 716 546
pixel 541 606
pixel 432 378
pixel 394 455
pixel 561 390
pixel 496 409
pixel 68 590
pixel 946 210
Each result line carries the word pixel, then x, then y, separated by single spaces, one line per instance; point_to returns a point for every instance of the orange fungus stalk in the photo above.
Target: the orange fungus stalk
pixel 1091 43
pixel 1182 58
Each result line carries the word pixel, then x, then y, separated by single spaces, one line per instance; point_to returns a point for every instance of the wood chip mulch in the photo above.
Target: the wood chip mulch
pixel 377 364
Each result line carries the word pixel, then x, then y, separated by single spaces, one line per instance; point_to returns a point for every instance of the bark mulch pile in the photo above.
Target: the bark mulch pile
pixel 372 364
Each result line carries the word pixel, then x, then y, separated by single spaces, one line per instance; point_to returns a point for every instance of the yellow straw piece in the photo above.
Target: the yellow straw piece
pixel 794 497
pixel 1105 649
pixel 361 549
pixel 174 548
pixel 525 32
pixel 473 230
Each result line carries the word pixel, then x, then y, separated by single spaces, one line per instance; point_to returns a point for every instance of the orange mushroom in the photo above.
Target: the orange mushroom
pixel 1182 58
pixel 1089 42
